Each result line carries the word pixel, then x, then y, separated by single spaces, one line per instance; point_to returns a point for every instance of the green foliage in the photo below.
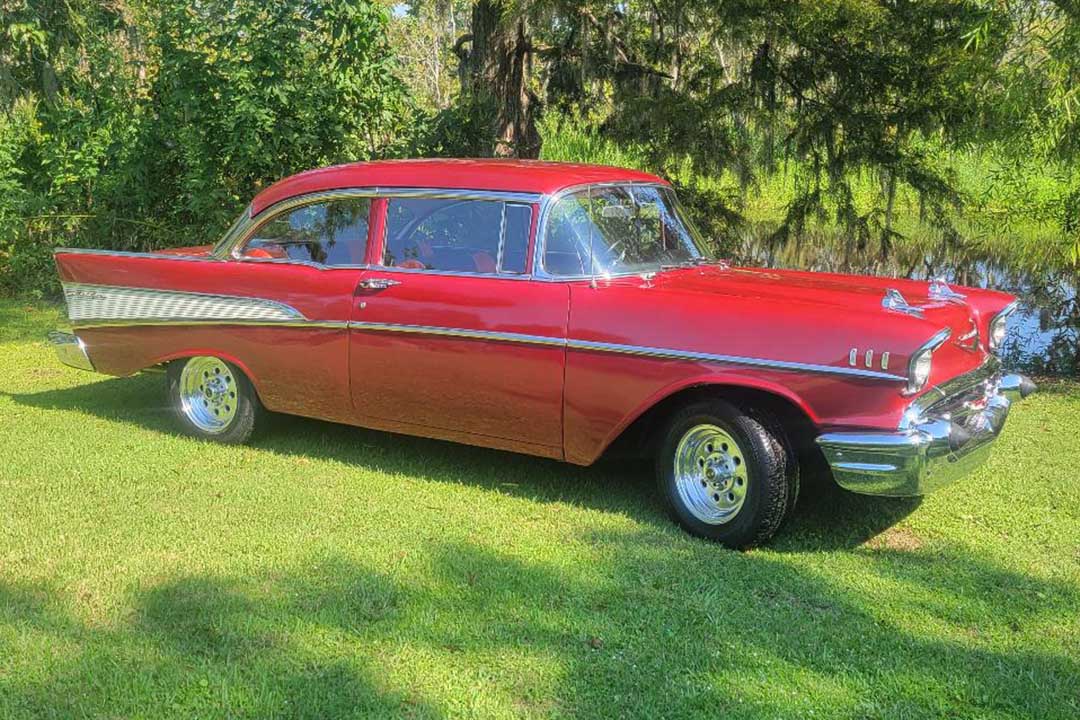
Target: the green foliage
pixel 150 125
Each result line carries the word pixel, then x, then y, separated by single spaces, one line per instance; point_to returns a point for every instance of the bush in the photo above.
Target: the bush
pixel 144 128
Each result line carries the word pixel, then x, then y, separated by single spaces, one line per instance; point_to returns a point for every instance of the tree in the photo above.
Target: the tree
pixel 495 65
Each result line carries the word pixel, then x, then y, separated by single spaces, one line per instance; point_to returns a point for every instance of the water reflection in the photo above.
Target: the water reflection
pixel 1044 333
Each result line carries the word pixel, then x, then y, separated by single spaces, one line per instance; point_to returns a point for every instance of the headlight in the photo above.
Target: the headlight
pixel 920 370
pixel 998 327
pixel 997 332
pixel 921 362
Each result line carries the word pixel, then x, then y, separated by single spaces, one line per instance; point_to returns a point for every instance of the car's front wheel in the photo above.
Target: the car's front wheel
pixel 212 399
pixel 724 474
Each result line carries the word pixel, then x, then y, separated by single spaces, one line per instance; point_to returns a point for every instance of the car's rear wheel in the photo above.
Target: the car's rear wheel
pixel 213 399
pixel 724 474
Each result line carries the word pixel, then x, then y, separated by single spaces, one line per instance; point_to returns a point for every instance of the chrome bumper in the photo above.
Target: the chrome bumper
pixel 71 350
pixel 938 444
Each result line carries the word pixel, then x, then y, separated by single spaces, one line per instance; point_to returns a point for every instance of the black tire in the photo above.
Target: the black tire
pixel 792 466
pixel 767 491
pixel 243 417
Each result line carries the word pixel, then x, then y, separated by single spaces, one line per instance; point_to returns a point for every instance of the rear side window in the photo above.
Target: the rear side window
pixel 333 232
pixel 455 235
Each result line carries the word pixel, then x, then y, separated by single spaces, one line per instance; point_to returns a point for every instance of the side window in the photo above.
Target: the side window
pixel 517 222
pixel 454 235
pixel 333 232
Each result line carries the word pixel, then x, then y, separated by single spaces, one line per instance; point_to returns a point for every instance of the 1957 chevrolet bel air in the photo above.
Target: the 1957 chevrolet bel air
pixel 552 309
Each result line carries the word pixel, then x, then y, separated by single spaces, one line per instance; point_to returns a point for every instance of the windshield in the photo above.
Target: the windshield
pixel 618 229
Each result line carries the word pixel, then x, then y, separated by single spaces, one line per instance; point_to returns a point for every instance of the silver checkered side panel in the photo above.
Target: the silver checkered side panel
pixel 94 303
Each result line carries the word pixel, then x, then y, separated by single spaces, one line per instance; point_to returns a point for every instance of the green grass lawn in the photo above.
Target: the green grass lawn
pixel 328 571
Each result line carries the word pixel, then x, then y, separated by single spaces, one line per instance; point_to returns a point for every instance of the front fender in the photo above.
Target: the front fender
pixel 583 451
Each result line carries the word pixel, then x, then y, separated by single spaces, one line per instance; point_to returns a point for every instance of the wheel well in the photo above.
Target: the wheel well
pixel 639 439
pixel 179 360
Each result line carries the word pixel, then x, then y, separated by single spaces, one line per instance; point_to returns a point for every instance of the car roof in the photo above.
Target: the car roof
pixel 523 176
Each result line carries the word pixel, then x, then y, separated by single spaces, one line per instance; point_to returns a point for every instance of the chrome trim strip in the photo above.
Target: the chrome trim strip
pixel 546 340
pixel 498 195
pixel 1008 309
pixel 444 273
pixel 129 253
pixel 86 302
pixel 308 324
pixel 933 343
pixel 671 354
pixel 636 350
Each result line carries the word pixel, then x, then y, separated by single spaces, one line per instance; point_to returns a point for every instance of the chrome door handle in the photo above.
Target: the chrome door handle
pixel 378 283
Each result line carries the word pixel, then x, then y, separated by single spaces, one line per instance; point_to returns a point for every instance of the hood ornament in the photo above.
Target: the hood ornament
pixel 896 302
pixel 940 290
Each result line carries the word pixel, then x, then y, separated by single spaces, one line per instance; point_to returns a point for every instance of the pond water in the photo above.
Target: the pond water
pixel 1044 333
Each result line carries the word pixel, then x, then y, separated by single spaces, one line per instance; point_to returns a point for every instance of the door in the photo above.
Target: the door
pixel 308 256
pixel 449 336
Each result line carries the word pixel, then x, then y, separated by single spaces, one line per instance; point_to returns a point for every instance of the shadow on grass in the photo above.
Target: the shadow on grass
pixel 661 628
pixel 826 518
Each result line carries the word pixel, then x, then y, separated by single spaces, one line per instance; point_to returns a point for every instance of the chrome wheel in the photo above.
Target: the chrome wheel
pixel 208 394
pixel 710 474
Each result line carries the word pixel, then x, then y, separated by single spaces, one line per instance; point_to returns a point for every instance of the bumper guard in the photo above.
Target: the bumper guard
pixel 71 350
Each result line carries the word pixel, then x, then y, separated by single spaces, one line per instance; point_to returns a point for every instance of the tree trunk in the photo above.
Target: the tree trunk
pixel 496 76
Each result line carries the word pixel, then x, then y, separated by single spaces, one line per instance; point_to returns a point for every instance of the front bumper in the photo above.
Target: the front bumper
pixel 936 444
pixel 71 350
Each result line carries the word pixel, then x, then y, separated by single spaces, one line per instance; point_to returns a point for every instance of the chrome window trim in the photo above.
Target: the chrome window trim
pixel 539 271
pixel 498 274
pixel 245 234
pixel 454 193
pixel 446 273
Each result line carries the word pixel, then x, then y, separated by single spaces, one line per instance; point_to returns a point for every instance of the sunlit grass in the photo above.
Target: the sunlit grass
pixel 328 571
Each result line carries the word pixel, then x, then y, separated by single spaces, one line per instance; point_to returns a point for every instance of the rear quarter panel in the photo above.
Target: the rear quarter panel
pixel 300 369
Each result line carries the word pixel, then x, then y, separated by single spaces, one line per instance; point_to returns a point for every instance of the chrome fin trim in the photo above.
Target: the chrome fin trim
pixel 92 303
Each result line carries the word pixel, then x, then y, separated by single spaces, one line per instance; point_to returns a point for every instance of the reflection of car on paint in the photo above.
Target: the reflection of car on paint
pixel 552 310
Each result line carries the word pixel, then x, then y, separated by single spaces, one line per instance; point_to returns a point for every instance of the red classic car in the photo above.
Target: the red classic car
pixel 552 309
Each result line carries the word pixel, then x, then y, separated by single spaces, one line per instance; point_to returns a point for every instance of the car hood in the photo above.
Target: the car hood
pixel 854 294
